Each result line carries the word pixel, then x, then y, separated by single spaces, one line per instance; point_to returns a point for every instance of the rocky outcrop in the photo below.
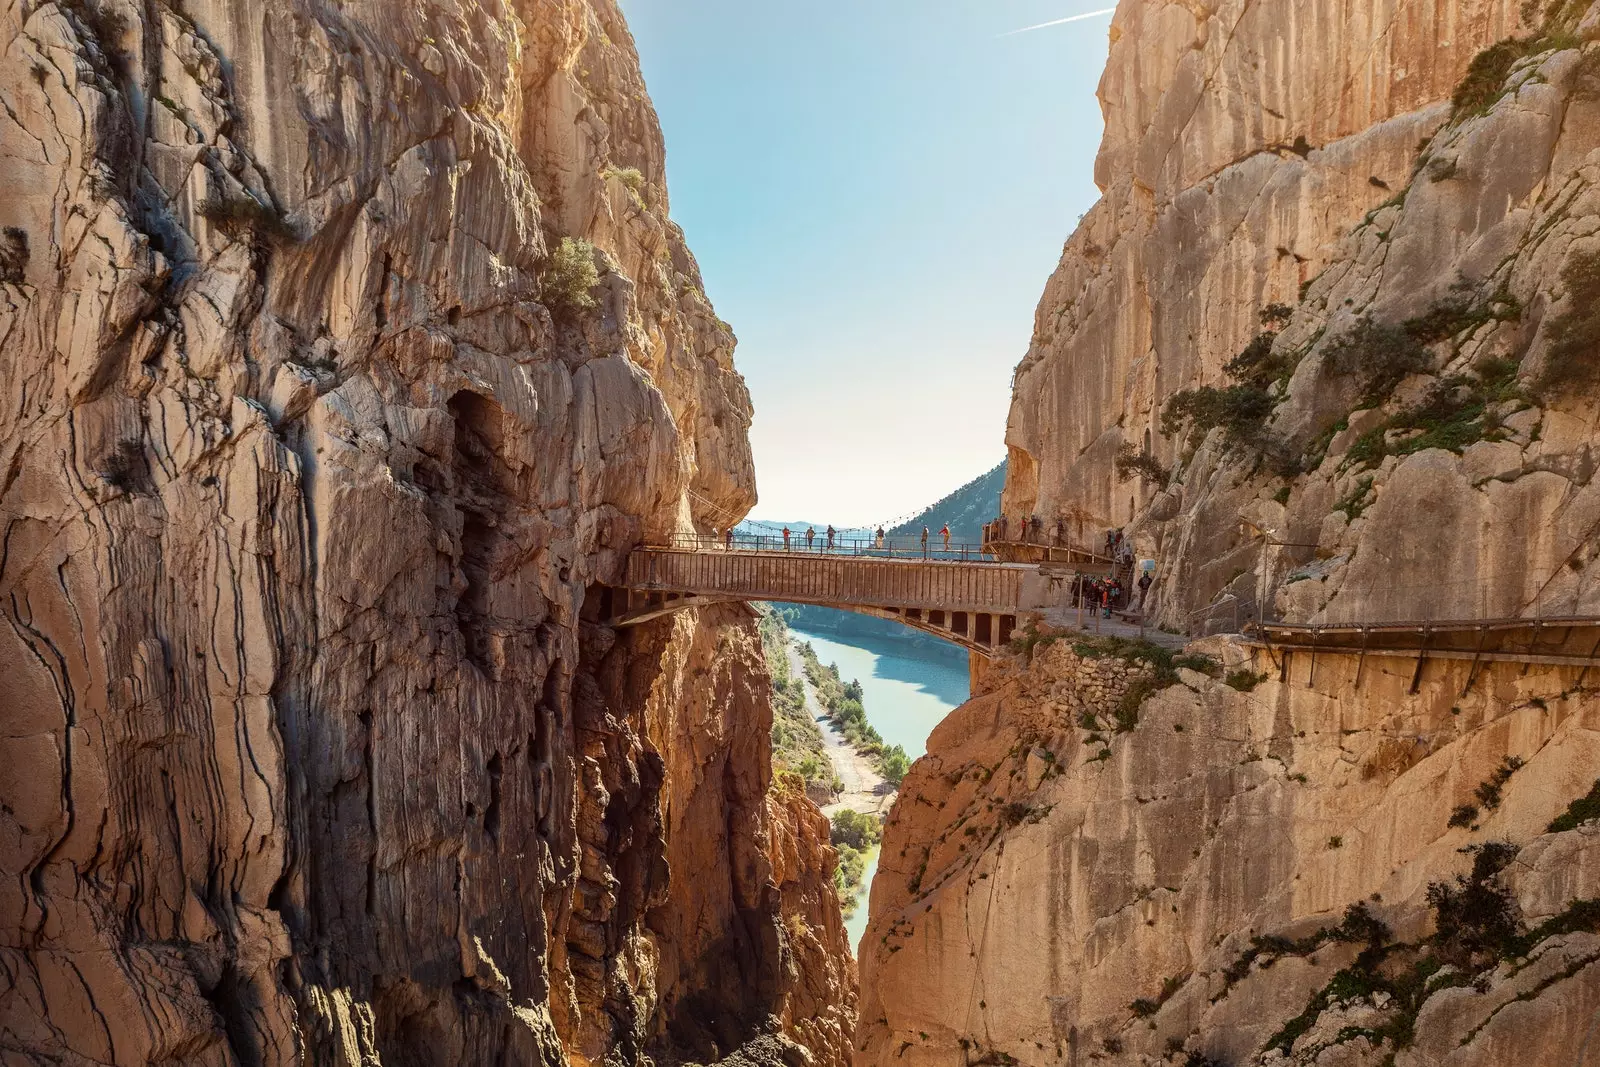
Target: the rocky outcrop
pixel 345 349
pixel 1369 254
pixel 1269 871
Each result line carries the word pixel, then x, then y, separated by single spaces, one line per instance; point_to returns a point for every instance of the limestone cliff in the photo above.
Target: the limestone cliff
pixel 345 348
pixel 1242 875
pixel 1348 254
pixel 1326 347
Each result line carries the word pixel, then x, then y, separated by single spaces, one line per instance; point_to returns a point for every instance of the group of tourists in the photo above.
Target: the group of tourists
pixel 830 539
pixel 1028 529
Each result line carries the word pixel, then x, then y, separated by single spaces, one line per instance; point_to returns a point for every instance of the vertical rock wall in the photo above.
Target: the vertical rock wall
pixel 1311 157
pixel 1059 888
pixel 309 458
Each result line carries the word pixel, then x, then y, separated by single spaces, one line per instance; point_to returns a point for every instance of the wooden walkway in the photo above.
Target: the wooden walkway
pixel 973 603
pixel 1570 641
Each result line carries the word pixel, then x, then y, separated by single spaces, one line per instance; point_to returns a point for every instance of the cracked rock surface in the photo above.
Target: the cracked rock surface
pixel 310 462
pixel 1053 887
pixel 1414 251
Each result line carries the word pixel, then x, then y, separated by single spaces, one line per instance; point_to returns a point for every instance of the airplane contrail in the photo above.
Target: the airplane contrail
pixel 1057 22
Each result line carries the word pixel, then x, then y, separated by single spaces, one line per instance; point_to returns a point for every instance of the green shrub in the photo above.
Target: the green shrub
pixel 1472 915
pixel 1276 316
pixel 1356 501
pixel 1379 357
pixel 13 255
pixel 569 277
pixel 894 763
pixel 1244 679
pixel 246 214
pixel 1464 815
pixel 1241 410
pixel 1572 362
pixel 1486 75
pixel 1132 463
pixel 631 177
pixel 1454 414
pixel 1259 365
pixel 1200 663
pixel 856 829
pixel 1579 811
pixel 1488 792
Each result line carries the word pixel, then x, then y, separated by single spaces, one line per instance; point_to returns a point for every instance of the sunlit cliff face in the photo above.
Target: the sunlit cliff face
pixel 312 458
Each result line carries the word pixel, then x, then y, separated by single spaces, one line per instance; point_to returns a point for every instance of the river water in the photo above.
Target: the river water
pixel 907 688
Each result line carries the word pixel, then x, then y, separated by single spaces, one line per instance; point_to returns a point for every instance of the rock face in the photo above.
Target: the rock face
pixel 1427 231
pixel 1351 255
pixel 1055 890
pixel 317 434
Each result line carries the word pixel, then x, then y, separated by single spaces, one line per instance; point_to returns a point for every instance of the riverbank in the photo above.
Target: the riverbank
pixel 861 787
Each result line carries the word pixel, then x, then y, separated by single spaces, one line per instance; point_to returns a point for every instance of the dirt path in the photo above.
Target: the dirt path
pixel 862 788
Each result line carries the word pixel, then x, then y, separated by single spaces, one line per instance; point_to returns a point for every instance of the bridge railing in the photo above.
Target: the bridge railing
pixel 820 545
pixel 1025 534
pixel 839 579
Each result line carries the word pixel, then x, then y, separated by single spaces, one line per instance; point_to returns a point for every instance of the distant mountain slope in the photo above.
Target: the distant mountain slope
pixel 966 509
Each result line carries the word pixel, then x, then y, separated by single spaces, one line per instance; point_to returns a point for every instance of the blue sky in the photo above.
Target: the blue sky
pixel 876 191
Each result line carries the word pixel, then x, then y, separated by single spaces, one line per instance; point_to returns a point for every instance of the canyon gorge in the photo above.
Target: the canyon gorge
pixel 349 349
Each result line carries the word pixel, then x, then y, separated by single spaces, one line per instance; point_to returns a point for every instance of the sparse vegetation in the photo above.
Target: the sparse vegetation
pixel 245 214
pixel 1488 791
pixel 1132 463
pixel 841 701
pixel 1476 931
pixel 1378 356
pixel 1457 411
pixel 1473 915
pixel 1244 679
pixel 1579 811
pixel 569 277
pixel 797 745
pixel 13 255
pixel 1357 500
pixel 1145 1007
pixel 1486 75
pixel 1241 410
pixel 1259 372
pixel 1161 664
pixel 1464 816
pixel 1570 364
pixel 632 180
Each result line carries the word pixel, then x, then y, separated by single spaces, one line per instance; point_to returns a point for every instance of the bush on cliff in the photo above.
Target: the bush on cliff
pixel 569 277
pixel 1573 360
pixel 1579 811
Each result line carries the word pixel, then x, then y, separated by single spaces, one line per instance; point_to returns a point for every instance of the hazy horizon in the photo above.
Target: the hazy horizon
pixel 877 195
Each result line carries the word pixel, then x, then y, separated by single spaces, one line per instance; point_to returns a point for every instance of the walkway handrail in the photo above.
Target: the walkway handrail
pixel 1505 622
pixel 819 545
pixel 995 535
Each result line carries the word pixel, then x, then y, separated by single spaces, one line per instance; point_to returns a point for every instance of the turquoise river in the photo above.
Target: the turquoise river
pixel 907 688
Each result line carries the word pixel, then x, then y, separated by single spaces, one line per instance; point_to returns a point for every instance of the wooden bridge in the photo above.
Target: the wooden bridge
pixel 957 596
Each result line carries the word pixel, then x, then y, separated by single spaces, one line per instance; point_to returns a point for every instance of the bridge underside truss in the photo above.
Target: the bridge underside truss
pixel 976 631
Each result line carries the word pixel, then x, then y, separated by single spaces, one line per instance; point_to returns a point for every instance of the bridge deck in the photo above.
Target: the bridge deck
pixel 974 603
pixel 953 585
